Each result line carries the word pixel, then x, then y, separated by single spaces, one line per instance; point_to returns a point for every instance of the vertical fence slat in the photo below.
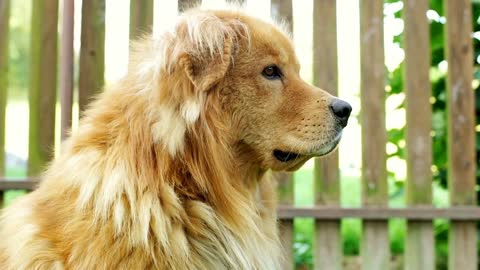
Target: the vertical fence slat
pixel 43 84
pixel 4 29
pixel 238 2
pixel 92 51
pixel 141 17
pixel 282 9
pixel 461 131
pixel 66 68
pixel 328 248
pixel 183 5
pixel 285 197
pixel 419 244
pixel 375 246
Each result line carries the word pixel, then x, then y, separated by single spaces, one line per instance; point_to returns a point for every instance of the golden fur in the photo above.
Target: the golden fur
pixel 168 167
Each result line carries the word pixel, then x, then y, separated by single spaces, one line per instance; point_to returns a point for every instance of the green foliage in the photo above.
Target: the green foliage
pixel 351 234
pixel 303 243
pixel 441 228
pixel 397 229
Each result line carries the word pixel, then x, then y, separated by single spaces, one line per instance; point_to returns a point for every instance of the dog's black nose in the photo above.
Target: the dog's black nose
pixel 341 110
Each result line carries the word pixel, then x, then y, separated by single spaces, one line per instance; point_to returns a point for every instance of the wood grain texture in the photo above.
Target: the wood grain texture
pixel 375 246
pixel 325 76
pixel 238 2
pixel 461 130
pixel 416 213
pixel 462 245
pixel 92 51
pixel 285 198
pixel 327 246
pixel 419 245
pixel 43 84
pixel 66 68
pixel 12 184
pixel 141 17
pixel 184 5
pixel 282 10
pixel 4 34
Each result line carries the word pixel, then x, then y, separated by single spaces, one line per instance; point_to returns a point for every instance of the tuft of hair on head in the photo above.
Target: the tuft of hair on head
pixel 178 68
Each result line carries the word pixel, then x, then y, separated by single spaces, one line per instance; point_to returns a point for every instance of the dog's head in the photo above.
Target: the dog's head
pixel 246 70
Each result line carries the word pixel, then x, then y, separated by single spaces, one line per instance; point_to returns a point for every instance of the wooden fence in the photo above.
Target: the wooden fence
pixel 327 212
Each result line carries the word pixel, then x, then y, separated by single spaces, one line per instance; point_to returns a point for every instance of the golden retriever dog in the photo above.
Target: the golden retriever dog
pixel 168 167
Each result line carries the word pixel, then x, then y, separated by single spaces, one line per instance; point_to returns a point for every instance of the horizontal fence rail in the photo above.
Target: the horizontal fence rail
pixel 381 213
pixel 326 212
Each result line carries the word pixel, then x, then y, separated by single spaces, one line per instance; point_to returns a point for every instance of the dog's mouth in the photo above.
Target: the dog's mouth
pixel 285 156
pixel 325 149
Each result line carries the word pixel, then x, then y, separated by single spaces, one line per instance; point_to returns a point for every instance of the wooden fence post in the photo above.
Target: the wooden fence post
pixel 43 84
pixel 183 5
pixel 419 244
pixel 238 2
pixel 92 51
pixel 282 9
pixel 4 29
pixel 461 131
pixel 66 68
pixel 141 17
pixel 328 244
pixel 375 245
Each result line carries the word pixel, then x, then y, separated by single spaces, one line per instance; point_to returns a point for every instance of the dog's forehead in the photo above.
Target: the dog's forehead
pixel 270 35
pixel 278 43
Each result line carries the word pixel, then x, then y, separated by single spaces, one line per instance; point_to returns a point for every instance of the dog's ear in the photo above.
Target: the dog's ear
pixel 205 69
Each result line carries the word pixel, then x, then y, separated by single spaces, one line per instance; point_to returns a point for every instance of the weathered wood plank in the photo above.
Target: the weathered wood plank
pixel 43 83
pixel 11 184
pixel 328 244
pixel 141 17
pixel 184 5
pixel 66 68
pixel 238 2
pixel 4 30
pixel 461 130
pixel 375 247
pixel 419 246
pixel 282 10
pixel 285 198
pixel 92 51
pixel 415 213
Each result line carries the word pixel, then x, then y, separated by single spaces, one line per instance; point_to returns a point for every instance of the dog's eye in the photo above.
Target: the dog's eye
pixel 272 72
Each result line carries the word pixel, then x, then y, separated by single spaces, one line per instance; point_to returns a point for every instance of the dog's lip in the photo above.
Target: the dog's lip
pixel 328 147
pixel 324 149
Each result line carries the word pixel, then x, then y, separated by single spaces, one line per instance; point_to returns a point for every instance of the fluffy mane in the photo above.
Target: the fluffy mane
pixel 158 165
